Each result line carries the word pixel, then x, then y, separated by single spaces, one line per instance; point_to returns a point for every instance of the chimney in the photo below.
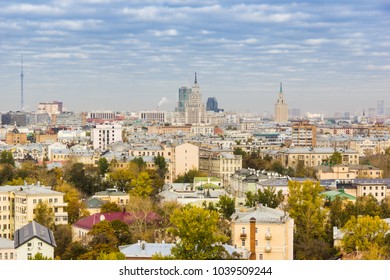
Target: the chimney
pixel 252 238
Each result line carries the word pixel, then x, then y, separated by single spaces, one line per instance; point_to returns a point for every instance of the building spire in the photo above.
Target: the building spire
pixel 21 83
pixel 281 88
pixel 196 80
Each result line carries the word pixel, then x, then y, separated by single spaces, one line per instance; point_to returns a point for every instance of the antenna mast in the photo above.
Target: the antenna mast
pixel 21 84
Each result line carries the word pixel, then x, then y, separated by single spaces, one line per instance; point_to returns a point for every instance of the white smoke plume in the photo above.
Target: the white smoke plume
pixel 162 101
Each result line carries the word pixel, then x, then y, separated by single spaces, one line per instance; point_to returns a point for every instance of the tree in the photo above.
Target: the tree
pixel 239 151
pixel 305 206
pixel 111 256
pixel 110 207
pixel 142 185
pixel 188 177
pixel 139 163
pixel 335 158
pixel 361 233
pixel 122 232
pixel 226 206
pixel 40 257
pixel 121 178
pixel 6 173
pixel 103 166
pixel 74 251
pixel 76 209
pixel 198 233
pixel 44 215
pixel 63 237
pixel 161 165
pixel 267 196
pixel 7 158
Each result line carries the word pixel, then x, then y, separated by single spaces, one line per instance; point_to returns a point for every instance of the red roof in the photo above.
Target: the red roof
pixel 126 217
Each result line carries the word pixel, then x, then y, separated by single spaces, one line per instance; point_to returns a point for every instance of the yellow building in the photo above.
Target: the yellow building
pixel 18 206
pixel 303 134
pixel 266 232
pixel 281 109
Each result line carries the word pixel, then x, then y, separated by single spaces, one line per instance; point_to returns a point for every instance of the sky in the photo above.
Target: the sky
pixel 331 56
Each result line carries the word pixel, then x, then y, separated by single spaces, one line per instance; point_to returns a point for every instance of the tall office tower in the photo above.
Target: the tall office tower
pixel 184 93
pixel 281 109
pixel 212 104
pixel 195 110
pixel 380 107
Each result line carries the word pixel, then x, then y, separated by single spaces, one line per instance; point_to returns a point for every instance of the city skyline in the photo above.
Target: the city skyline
pixel 116 55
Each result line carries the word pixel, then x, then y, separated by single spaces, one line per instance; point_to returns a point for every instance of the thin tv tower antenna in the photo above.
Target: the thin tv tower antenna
pixel 21 83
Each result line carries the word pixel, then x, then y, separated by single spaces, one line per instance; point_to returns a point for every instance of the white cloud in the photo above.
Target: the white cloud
pixel 316 42
pixel 162 33
pixel 31 9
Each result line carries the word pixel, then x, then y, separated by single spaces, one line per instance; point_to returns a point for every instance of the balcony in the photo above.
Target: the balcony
pixel 243 236
pixel 268 236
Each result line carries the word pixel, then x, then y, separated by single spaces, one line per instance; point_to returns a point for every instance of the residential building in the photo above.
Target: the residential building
pixel 19 203
pixel 7 249
pixel 105 134
pixel 14 137
pixel 378 188
pixel 113 195
pixel 281 109
pixel 50 108
pixel 32 239
pixel 265 232
pixel 347 172
pixel 303 134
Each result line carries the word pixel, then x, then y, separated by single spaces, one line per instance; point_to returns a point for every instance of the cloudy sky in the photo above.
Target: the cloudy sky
pixel 332 56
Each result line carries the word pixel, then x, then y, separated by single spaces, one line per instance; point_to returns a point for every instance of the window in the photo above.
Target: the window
pixel 261 257
pixel 243 243
pixel 29 244
pixel 1 256
pixel 243 230
pixel 257 243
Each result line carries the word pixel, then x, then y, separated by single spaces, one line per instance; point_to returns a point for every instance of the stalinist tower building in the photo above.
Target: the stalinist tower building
pixel 194 110
pixel 281 110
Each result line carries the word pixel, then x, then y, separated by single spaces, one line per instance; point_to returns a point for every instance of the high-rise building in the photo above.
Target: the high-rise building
pixel 303 134
pixel 51 108
pixel 184 93
pixel 212 104
pixel 14 118
pixel 195 110
pixel 380 107
pixel 281 109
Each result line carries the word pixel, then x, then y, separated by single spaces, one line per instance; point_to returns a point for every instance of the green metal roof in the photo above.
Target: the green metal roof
pixel 338 193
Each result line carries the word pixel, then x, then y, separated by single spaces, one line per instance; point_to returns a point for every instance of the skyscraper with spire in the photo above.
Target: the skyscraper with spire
pixel 21 84
pixel 194 110
pixel 281 109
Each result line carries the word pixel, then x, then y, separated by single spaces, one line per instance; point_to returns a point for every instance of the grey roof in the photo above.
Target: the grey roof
pixel 31 230
pixel 262 214
pixel 94 203
pixel 144 249
pixel 6 243
pixel 30 190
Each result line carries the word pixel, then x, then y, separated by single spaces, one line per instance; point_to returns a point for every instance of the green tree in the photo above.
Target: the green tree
pixel 44 215
pixel 110 207
pixel 7 173
pixel 335 158
pixel 239 151
pixel 39 257
pixel 63 237
pixel 7 158
pixel 188 177
pixel 74 251
pixel 142 185
pixel 305 206
pixel 122 232
pixel 139 163
pixel 103 166
pixel 268 196
pixel 361 233
pixel 111 256
pixel 199 235
pixel 226 206
pixel 121 178
pixel 76 209
pixel 161 165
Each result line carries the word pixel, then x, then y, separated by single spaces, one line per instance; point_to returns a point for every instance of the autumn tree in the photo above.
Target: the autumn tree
pixel 161 166
pixel 7 173
pixel 63 237
pixel 305 206
pixel 44 215
pixel 76 209
pixel 336 158
pixel 198 233
pixel 142 185
pixel 6 157
pixel 363 233
pixel 188 177
pixel 103 166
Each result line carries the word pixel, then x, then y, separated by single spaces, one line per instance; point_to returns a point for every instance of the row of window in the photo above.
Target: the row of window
pixel 11 256
pixel 376 188
pixel 5 217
